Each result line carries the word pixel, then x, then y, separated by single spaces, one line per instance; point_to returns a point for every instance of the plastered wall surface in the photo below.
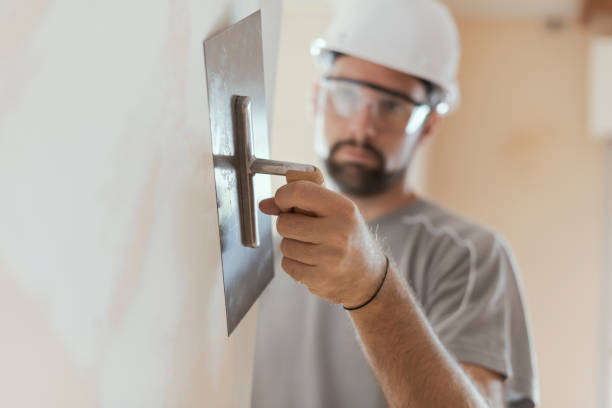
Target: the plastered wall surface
pixel 111 293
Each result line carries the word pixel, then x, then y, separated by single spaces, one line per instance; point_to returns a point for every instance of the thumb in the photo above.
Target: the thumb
pixel 268 206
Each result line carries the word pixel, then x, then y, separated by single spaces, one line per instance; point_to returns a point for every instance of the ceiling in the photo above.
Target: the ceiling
pixel 516 8
pixel 476 8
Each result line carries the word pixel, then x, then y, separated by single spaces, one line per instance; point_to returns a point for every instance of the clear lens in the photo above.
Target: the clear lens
pixel 389 113
pixel 346 99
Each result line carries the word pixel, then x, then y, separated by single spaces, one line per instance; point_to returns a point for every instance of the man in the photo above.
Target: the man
pixel 433 313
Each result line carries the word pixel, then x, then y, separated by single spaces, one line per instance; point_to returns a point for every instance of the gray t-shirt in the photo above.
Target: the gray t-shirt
pixel 466 280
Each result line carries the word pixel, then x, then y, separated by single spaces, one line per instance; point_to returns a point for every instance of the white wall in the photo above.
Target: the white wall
pixel 111 293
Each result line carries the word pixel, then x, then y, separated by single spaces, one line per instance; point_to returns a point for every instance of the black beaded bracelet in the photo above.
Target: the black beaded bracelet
pixel 375 293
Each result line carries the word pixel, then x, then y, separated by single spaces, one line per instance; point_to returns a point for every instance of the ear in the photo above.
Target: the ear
pixel 314 97
pixel 430 126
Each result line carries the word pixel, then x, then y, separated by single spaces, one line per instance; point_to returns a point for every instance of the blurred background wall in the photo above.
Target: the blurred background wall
pixel 517 156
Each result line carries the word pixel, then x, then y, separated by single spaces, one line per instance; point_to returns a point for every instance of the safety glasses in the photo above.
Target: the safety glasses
pixel 391 111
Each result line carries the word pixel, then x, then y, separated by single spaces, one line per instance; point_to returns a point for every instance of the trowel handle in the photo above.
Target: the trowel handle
pixel 291 171
pixel 315 177
pixel 295 175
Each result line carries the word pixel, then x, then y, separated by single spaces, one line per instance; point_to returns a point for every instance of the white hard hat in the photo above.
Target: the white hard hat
pixel 417 37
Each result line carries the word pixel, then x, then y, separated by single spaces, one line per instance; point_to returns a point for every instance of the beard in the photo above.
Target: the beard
pixel 357 179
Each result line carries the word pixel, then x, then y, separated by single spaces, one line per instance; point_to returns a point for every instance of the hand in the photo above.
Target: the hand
pixel 331 251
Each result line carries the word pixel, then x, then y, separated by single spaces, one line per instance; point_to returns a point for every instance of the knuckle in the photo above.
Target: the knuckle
pixel 286 264
pixel 283 246
pixel 282 224
pixel 299 189
pixel 280 192
pixel 279 226
pixel 291 269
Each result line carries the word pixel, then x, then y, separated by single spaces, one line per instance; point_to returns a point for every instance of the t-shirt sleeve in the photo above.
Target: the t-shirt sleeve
pixel 468 302
pixel 474 303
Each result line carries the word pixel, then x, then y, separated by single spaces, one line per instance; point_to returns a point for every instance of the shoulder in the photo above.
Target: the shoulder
pixel 454 248
pixel 440 224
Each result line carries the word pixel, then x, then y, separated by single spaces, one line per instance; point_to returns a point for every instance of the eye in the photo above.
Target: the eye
pixel 346 93
pixel 389 106
pixel 345 100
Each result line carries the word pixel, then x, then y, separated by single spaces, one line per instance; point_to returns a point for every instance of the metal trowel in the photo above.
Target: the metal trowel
pixel 240 147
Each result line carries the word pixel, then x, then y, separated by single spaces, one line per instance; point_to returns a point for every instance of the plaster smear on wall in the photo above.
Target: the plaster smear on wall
pixel 109 243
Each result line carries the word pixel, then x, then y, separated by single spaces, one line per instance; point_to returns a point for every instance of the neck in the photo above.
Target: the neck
pixel 388 201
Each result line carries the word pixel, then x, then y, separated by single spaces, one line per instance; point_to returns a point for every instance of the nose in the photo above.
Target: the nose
pixel 362 124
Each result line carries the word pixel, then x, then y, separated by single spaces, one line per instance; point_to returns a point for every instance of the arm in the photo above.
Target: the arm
pixel 490 384
pixel 336 257
pixel 410 363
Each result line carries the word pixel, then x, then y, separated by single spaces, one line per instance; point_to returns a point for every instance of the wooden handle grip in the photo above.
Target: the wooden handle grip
pixel 315 177
pixel 294 175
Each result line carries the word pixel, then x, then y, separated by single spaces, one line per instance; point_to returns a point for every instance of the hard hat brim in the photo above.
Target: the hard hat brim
pixel 321 51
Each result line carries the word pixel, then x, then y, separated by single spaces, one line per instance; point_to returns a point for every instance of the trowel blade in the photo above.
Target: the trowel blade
pixel 234 66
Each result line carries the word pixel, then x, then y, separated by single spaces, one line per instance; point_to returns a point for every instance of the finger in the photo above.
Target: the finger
pixel 300 227
pixel 310 197
pixel 303 252
pixel 268 206
pixel 297 270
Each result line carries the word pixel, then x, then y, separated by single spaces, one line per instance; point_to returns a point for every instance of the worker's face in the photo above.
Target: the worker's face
pixel 367 134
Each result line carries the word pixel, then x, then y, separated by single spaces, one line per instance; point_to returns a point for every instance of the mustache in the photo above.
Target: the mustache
pixel 358 180
pixel 365 146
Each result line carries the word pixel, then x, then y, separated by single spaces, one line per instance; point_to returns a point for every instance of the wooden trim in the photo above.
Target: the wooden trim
pixel 594 9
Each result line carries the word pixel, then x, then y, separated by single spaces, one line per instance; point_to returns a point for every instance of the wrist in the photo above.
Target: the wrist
pixel 373 291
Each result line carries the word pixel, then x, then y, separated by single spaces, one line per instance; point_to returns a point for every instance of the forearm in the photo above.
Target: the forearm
pixel 334 254
pixel 410 363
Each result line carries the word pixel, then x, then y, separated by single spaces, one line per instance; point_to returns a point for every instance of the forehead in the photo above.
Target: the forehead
pixel 357 68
